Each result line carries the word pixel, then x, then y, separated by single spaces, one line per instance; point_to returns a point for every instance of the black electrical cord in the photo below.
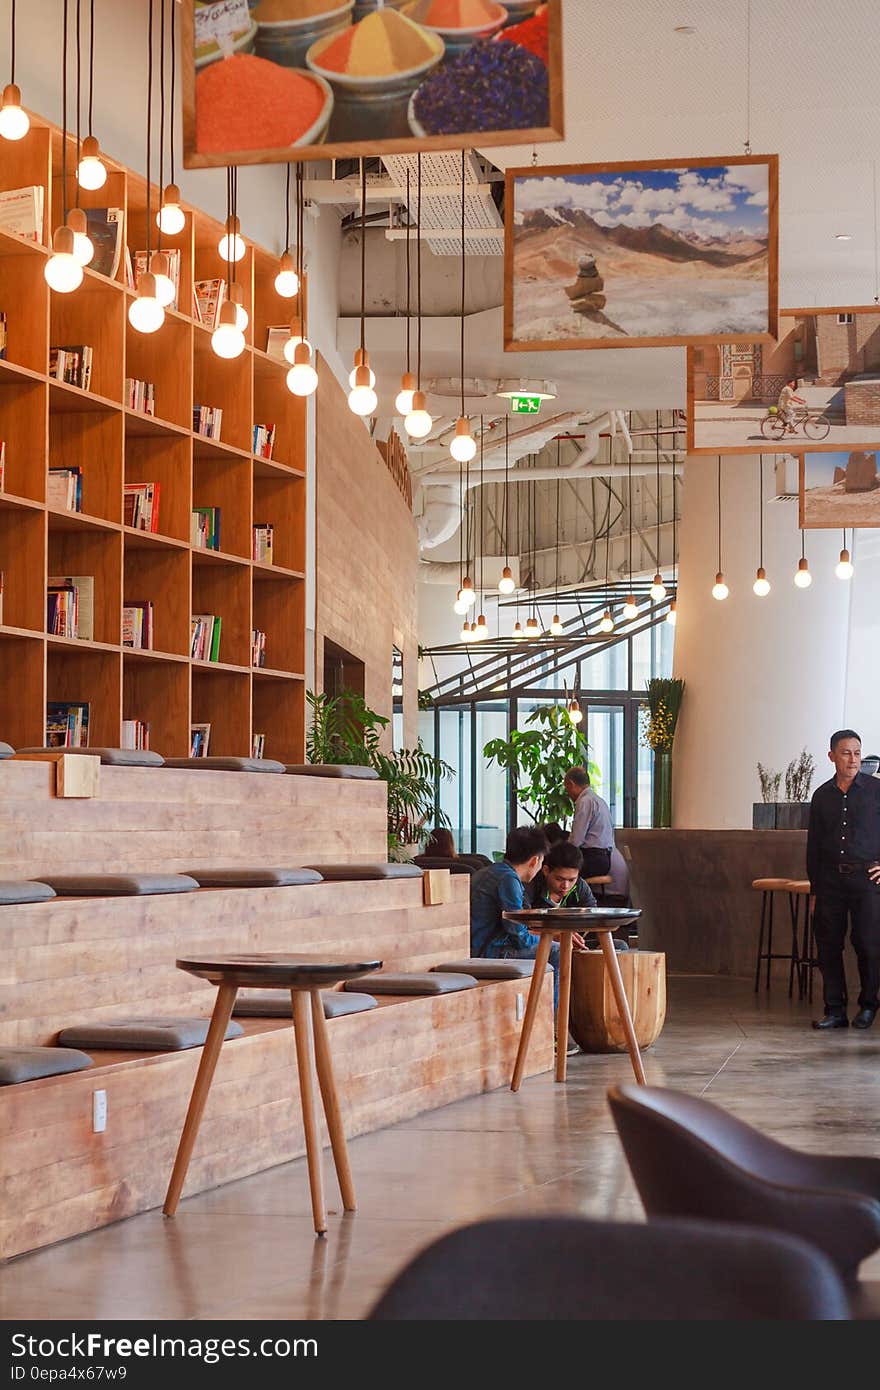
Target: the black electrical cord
pixel 720 566
pixel 408 272
pixel 78 90
pixel 64 114
pixel 149 114
pixel 463 274
pixel 363 251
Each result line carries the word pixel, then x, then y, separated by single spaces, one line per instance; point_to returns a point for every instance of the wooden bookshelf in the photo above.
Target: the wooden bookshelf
pixel 48 424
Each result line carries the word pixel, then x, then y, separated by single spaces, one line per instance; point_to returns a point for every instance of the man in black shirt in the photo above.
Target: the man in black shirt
pixel 843 864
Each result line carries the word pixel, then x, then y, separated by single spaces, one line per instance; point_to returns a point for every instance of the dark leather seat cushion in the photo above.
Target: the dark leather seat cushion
pixel 253 878
pixel 6 750
pixel 482 969
pixel 356 873
pixel 413 982
pixel 227 764
pixel 111 757
pixel 118 885
pixel 25 892
pixel 275 1003
pixel 143 1034
pixel 361 774
pixel 19 1064
pixel 439 861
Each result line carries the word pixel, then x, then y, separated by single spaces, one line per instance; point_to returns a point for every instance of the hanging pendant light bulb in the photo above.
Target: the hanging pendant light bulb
pixel 170 218
pixel 575 713
pixel 91 172
pixel 533 627
pixel 361 359
pixel 418 422
pixel 62 270
pixel 658 588
pixel 463 446
pixel 802 577
pixel 517 633
pixel 287 280
pixel 294 341
pixel 403 401
pixel 83 246
pixel 461 604
pixel 165 292
pixel 507 583
pixel 231 246
pixel 145 313
pixel 14 120
pixel 302 379
pixel 362 399
pixel 719 588
pixel 761 586
pixel 482 629
pixel 556 628
pixel 630 609
pixel 467 593
pixel 465 634
pixel 227 340
pixel 606 623
pixel 844 567
pixel 672 616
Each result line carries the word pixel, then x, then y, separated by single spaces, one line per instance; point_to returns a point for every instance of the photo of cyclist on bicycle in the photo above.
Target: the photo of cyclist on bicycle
pixel 787 398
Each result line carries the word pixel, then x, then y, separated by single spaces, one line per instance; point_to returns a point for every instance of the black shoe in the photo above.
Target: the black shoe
pixel 864 1018
pixel 835 1020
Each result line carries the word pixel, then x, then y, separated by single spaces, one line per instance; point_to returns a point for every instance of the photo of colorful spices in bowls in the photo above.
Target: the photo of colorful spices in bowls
pixel 335 77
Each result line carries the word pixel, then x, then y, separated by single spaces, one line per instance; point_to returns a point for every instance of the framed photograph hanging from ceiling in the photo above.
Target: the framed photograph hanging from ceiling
pixel 320 79
pixel 817 387
pixel 840 489
pixel 641 254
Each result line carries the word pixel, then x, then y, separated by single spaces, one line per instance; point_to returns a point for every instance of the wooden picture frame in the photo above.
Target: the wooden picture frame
pixel 835 360
pixel 675 249
pixel 858 508
pixel 380 143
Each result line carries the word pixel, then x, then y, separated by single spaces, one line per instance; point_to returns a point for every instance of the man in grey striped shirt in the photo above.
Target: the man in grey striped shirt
pixel 591 828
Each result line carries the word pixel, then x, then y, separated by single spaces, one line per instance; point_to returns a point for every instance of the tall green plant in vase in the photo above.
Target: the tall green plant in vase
pixel 659 718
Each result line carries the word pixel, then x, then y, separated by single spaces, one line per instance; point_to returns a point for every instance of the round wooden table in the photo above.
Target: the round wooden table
pixel 547 922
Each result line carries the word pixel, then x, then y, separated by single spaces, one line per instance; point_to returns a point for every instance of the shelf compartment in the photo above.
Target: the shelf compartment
pixel 163 459
pixel 165 359
pixel 23 425
pixel 136 229
pixel 275 405
pixel 279 611
pixel 94 315
pixel 222 699
pixel 111 194
pixel 24 164
pixel 22 690
pixel 157 692
pixel 160 575
pixel 224 382
pixel 279 712
pixel 281 502
pixel 226 483
pixel 270 310
pixel 139 425
pixel 24 298
pixel 99 554
pixel 93 442
pixel 225 590
pixel 209 266
pixel 22 563
pixel 88 674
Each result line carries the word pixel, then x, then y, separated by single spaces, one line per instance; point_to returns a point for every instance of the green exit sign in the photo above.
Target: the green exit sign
pixel 525 405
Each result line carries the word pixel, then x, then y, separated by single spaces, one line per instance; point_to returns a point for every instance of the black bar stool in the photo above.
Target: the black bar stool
pixel 768 888
pixel 799 892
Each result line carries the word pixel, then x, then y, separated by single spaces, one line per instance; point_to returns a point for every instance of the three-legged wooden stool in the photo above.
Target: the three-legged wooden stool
pixel 562 922
pixel 305 977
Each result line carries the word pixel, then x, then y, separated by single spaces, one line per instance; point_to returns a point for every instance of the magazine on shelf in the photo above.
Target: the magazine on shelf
pixel 137 624
pixel 104 227
pixel 21 212
pixel 208 295
pixel 199 740
pixel 277 335
pixel 173 255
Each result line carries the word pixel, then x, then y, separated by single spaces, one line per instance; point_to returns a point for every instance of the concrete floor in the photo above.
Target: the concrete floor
pixel 248 1250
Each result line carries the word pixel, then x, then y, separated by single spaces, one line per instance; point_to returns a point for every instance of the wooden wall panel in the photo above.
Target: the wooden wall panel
pixel 366 555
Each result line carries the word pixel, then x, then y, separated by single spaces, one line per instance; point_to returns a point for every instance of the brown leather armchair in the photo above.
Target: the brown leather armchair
pixel 689 1158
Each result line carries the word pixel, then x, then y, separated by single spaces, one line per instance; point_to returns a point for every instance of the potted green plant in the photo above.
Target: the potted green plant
pixel 794 812
pixel 538 757
pixel 343 729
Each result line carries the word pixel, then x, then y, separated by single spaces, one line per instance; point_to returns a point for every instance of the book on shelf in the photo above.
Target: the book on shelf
pixel 258 647
pixel 3 336
pixel 140 506
pixel 208 295
pixel 207 420
pixel 104 227
pixel 70 606
pixel 72 365
pixel 258 746
pixel 137 624
pixel 204 531
pixel 2 464
pixel 277 335
pixel 129 270
pixel 173 255
pixel 205 636
pixel 135 734
pixel 264 541
pixel 64 489
pixel 67 724
pixel 264 440
pixel 21 212
pixel 199 740
pixel 140 395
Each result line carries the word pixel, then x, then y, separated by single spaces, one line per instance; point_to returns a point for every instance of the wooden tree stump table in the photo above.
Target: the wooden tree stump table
pixel 547 922
pixel 594 1019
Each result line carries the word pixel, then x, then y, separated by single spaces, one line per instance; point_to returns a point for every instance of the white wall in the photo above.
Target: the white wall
pixel 765 677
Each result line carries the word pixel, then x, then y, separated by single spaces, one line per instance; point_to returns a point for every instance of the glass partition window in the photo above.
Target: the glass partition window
pixel 492 786
pixel 396 697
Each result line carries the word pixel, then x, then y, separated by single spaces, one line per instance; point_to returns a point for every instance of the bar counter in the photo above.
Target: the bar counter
pixel 695 889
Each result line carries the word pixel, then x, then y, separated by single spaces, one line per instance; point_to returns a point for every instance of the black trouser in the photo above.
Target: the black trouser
pixel 840 897
pixel 595 862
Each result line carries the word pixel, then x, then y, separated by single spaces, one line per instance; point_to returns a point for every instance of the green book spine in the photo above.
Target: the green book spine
pixel 215 640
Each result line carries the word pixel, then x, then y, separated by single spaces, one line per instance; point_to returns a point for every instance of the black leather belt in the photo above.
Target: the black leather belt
pixel 852 866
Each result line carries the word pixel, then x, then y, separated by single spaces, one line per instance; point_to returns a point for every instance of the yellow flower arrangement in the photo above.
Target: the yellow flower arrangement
pixel 659 715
